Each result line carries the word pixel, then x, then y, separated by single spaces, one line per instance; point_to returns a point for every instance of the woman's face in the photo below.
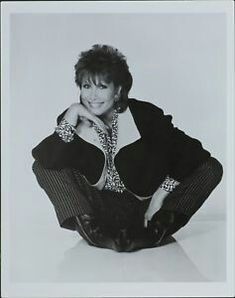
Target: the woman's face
pixel 98 97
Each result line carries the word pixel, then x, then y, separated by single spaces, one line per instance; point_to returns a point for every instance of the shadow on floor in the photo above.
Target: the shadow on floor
pixel 168 263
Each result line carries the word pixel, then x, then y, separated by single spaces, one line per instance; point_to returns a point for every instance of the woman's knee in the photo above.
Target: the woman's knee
pixel 215 169
pixel 39 172
pixel 36 167
pixel 50 176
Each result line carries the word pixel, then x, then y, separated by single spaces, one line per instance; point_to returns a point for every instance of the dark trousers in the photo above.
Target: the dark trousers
pixel 73 197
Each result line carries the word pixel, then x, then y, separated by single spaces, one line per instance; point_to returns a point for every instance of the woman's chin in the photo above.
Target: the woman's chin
pixel 97 112
pixel 100 112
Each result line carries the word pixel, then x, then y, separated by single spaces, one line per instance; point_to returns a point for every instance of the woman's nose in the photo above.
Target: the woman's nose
pixel 93 94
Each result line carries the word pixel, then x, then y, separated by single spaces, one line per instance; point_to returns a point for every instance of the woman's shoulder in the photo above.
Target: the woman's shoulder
pixel 146 109
pixel 148 117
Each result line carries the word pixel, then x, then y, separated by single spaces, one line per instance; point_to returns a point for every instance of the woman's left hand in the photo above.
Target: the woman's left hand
pixel 154 205
pixel 152 209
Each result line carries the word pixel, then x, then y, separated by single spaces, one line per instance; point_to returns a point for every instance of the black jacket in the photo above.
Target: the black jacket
pixel 142 161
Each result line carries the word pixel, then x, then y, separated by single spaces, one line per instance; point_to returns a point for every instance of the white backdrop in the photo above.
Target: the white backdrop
pixel 178 62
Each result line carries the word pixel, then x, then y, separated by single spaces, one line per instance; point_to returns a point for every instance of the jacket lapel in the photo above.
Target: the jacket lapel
pixel 127 130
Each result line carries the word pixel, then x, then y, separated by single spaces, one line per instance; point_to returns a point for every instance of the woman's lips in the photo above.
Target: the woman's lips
pixel 96 104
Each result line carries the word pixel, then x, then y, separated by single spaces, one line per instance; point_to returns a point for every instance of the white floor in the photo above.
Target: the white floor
pixel 43 252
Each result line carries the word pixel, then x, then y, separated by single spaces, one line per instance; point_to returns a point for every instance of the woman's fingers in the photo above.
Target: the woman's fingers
pixel 88 121
pixel 153 207
pixel 145 222
pixel 100 124
pixel 147 218
pixel 85 115
pixel 91 118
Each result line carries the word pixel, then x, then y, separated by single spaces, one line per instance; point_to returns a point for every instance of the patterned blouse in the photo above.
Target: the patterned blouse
pixel 108 141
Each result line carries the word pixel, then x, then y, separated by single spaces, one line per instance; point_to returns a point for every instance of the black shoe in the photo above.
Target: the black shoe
pixel 127 241
pixel 92 231
pixel 123 242
pixel 165 223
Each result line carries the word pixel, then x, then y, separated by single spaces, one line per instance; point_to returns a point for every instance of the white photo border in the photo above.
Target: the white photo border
pixel 204 289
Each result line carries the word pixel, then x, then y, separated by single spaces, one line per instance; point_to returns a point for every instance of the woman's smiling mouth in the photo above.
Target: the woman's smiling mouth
pixel 95 104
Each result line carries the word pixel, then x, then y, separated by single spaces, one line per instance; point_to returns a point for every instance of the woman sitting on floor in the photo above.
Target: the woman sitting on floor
pixel 115 168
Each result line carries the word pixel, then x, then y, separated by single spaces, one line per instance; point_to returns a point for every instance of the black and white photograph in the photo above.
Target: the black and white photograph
pixel 117 149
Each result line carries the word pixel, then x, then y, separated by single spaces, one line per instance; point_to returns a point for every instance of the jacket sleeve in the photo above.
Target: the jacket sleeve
pixel 53 152
pixel 185 153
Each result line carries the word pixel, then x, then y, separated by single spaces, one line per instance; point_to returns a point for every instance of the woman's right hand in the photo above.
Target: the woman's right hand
pixel 77 110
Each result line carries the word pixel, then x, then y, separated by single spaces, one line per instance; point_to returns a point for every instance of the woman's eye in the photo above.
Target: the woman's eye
pixel 102 86
pixel 86 86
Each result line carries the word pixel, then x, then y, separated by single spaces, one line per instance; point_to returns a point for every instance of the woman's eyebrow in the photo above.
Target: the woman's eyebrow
pixel 86 82
pixel 102 83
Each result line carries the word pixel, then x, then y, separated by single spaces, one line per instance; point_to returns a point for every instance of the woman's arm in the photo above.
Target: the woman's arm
pixel 194 189
pixel 179 206
pixel 53 152
pixel 155 204
pixel 185 153
pixel 158 198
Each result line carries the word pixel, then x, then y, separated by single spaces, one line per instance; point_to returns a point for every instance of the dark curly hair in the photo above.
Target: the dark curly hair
pixel 108 63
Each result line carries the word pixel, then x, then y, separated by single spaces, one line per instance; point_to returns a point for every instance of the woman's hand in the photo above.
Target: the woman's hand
pixel 154 205
pixel 77 110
